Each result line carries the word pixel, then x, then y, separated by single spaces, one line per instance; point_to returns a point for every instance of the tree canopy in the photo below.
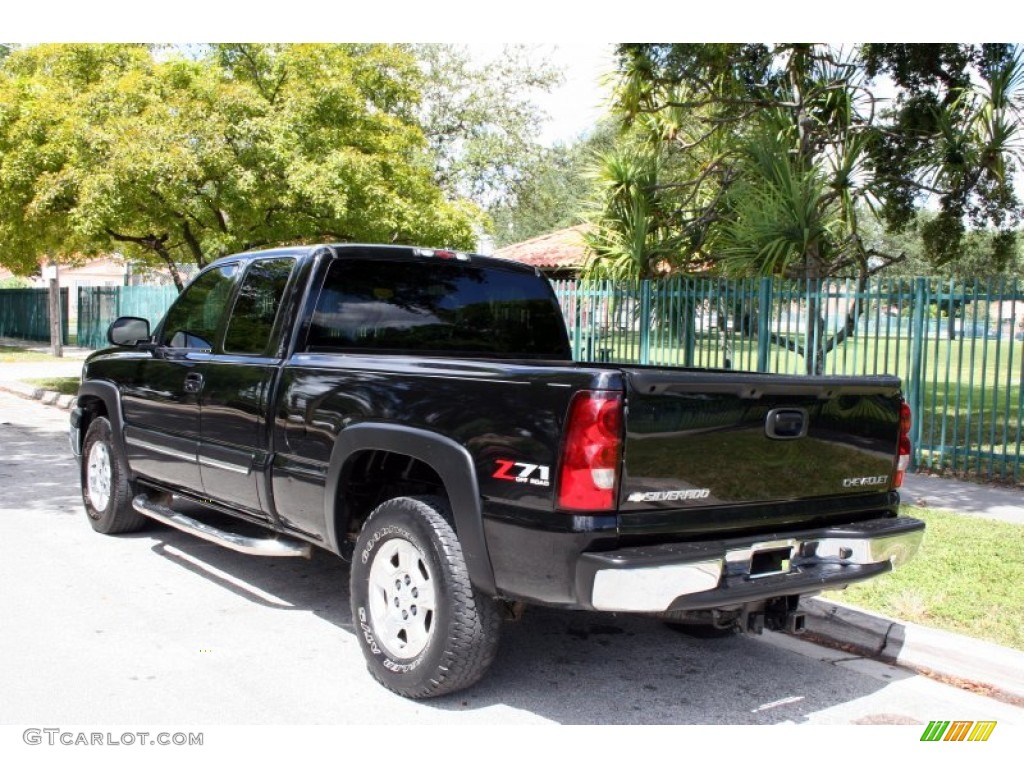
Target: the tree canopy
pixel 556 187
pixel 758 159
pixel 481 120
pixel 786 148
pixel 181 160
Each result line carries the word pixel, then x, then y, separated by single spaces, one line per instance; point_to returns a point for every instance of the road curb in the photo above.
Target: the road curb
pixel 46 396
pixel 945 654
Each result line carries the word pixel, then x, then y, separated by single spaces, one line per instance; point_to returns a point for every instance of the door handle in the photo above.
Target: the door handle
pixel 194 383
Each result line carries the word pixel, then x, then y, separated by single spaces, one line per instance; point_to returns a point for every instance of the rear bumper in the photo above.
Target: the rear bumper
pixel 715 574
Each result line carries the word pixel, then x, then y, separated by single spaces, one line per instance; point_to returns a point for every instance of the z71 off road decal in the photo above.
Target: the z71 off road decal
pixel 522 472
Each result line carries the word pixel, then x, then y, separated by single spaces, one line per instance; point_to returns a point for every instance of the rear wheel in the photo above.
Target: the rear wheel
pixel 423 628
pixel 106 489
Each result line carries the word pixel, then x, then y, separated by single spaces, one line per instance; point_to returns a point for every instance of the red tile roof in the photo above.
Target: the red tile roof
pixel 563 249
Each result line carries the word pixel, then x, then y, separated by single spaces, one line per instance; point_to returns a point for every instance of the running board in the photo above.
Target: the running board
pixel 249 545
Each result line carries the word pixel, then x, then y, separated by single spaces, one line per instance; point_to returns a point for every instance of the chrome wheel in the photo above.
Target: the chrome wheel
pixel 402 598
pixel 99 475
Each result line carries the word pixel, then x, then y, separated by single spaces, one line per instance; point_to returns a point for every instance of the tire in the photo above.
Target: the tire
pixel 106 490
pixel 423 629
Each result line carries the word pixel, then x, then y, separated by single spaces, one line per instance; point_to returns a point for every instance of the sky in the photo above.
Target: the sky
pixel 470 21
pixel 576 105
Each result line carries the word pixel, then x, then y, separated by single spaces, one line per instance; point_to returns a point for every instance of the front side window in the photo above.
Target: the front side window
pixel 252 319
pixel 437 307
pixel 193 319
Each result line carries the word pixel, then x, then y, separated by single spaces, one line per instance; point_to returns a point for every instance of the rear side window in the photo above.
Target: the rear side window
pixel 252 318
pixel 436 307
pixel 193 319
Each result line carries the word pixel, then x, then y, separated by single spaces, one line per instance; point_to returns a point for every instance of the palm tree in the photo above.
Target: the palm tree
pixel 630 237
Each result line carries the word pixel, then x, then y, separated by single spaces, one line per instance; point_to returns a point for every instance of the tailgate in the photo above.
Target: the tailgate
pixel 719 449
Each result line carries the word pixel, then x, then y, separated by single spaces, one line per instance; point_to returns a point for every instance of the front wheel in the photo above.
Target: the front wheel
pixel 106 489
pixel 423 629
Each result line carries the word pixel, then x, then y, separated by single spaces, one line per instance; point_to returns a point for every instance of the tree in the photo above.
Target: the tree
pixel 978 257
pixel 956 135
pixel 481 120
pixel 790 149
pixel 555 190
pixel 109 147
pixel 631 238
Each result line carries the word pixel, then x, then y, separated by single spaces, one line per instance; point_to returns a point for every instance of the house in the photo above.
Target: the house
pixel 105 271
pixel 559 255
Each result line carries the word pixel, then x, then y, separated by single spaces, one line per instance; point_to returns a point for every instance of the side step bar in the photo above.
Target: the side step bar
pixel 249 545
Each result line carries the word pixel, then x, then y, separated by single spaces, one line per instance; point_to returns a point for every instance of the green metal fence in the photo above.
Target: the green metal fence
pixel 25 314
pixel 957 346
pixel 99 306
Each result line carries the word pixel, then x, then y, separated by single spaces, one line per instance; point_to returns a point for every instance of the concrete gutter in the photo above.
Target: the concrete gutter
pixel 944 654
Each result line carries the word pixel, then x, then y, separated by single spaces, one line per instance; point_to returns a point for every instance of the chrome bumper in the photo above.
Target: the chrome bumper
pixel 714 574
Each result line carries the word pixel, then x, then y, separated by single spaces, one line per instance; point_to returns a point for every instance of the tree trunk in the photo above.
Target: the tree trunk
pixel 157 244
pixel 173 269
pixel 56 331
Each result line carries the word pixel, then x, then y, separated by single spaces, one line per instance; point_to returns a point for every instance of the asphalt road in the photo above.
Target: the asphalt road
pixel 159 627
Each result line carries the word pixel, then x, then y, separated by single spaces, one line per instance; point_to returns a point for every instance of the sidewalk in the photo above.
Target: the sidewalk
pixel 14 375
pixel 995 668
pixel 971 499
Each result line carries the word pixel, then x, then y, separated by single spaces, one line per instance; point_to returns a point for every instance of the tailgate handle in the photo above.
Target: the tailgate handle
pixel 786 424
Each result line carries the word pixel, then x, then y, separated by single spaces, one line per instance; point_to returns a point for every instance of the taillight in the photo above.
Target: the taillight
pixel 903 455
pixel 591 452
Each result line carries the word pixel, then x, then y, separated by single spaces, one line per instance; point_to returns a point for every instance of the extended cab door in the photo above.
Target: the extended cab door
pixel 236 387
pixel 161 393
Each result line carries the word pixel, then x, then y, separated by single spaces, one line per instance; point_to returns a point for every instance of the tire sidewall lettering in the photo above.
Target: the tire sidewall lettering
pixel 387 531
pixel 366 630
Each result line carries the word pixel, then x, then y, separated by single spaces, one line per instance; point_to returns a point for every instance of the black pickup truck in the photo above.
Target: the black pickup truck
pixel 418 413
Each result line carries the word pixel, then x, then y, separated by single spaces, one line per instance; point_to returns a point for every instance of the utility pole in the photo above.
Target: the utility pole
pixel 56 335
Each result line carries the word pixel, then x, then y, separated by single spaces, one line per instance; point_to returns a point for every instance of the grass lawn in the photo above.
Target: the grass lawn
pixel 20 355
pixel 966 578
pixel 64 385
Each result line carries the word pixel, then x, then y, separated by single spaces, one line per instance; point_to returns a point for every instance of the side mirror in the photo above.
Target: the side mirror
pixel 128 331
